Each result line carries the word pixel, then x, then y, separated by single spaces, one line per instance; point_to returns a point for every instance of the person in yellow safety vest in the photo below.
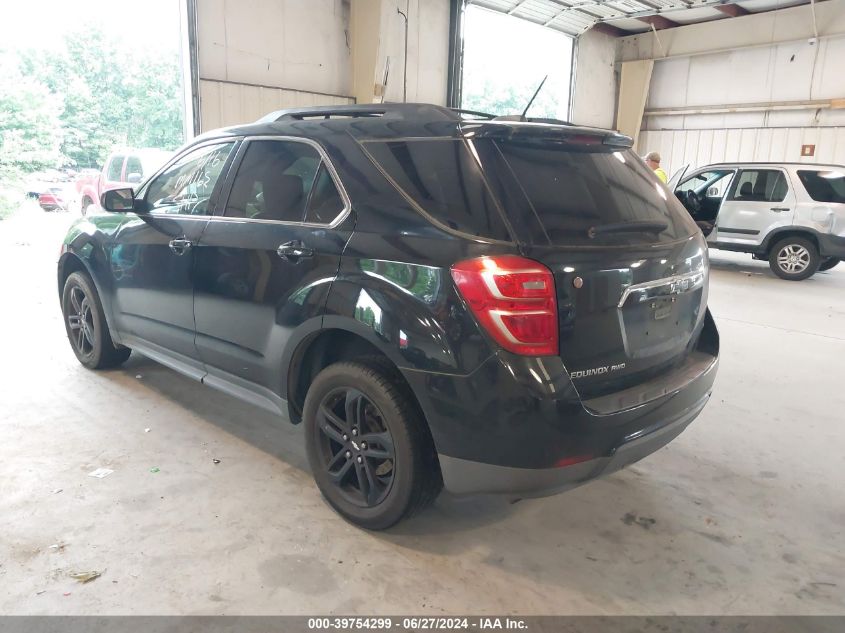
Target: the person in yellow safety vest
pixel 652 159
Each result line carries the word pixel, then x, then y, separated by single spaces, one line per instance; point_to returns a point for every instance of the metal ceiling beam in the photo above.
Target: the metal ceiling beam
pixel 654 15
pixel 732 10
pixel 659 21
pixel 516 6
pixel 609 29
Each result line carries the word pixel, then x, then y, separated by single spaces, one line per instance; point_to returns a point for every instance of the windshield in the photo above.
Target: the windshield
pixel 574 190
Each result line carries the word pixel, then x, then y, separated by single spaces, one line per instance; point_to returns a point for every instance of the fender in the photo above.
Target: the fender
pixel 829 245
pixel 410 312
pixel 84 244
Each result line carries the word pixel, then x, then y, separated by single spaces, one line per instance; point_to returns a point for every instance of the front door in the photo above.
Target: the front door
pixel 758 201
pixel 264 267
pixel 152 260
pixel 702 195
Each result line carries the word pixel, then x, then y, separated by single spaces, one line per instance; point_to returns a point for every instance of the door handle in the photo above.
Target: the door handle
pixel 180 246
pixel 294 251
pixel 780 209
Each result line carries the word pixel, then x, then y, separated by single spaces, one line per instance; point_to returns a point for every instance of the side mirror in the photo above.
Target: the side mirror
pixel 118 200
pixel 134 178
pixel 712 192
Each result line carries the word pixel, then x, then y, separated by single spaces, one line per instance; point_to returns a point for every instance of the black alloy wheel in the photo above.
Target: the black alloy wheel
pixel 86 326
pixel 356 446
pixel 370 450
pixel 80 322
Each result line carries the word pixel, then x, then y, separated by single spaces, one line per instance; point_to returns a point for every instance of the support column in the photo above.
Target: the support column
pixel 633 93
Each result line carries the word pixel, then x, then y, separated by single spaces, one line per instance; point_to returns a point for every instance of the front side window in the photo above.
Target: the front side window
pixel 760 185
pixel 824 186
pixel 115 170
pixel 186 186
pixel 713 184
pixel 273 181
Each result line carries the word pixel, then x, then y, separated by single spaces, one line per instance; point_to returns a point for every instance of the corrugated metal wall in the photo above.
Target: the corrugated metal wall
pixel 227 103
pixel 702 147
pixel 684 124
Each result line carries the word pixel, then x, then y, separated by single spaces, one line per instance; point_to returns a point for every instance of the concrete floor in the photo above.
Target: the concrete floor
pixel 742 514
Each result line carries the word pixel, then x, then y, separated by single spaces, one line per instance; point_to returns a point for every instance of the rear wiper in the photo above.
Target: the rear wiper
pixel 627 227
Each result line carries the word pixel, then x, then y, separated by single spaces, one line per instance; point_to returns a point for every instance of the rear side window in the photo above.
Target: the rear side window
pixel 273 181
pixel 760 185
pixel 824 186
pixel 444 180
pixel 573 188
pixel 325 203
pixel 134 166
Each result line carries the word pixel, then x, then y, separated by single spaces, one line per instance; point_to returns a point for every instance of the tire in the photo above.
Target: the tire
pixel 794 258
pixel 361 421
pixel 86 327
pixel 829 263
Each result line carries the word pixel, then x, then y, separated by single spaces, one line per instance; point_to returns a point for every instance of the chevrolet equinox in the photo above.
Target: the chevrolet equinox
pixel 487 304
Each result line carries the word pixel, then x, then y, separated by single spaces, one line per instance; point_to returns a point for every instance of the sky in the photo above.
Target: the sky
pixel 42 23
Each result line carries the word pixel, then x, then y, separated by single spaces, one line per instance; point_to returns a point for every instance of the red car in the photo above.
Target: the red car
pixel 53 200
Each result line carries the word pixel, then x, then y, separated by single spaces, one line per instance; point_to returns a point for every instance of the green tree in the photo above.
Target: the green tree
pixel 112 95
pixel 30 130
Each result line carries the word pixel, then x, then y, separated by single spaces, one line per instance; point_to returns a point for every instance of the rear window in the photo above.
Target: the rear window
pixel 824 186
pixel 444 180
pixel 573 189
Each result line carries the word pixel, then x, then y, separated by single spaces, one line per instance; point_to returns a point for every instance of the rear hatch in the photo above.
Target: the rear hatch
pixel 629 264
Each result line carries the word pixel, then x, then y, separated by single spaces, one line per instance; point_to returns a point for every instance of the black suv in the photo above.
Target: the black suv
pixel 491 305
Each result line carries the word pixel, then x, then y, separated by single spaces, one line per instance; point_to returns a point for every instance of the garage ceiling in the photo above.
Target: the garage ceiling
pixel 627 17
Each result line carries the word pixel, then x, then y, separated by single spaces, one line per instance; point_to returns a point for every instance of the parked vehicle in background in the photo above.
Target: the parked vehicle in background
pixel 53 200
pixel 496 306
pixel 123 168
pixel 43 181
pixel 792 214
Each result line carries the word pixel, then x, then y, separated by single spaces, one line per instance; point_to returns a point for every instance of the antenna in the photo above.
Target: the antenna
pixel 534 96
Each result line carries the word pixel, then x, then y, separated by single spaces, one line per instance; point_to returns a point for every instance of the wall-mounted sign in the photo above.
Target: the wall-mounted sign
pixel 808 150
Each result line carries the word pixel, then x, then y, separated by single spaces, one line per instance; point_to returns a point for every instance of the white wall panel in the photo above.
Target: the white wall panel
pixel 790 24
pixel 225 104
pixel 428 50
pixel 297 44
pixel 790 71
pixel 830 76
pixel 703 147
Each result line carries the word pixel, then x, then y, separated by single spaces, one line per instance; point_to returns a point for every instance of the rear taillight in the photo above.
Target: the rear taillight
pixel 513 299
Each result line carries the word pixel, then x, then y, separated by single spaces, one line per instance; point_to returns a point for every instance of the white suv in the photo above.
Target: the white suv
pixel 792 214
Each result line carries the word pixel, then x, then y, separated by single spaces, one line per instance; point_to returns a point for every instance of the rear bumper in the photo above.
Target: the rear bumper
pixel 462 476
pixel 518 425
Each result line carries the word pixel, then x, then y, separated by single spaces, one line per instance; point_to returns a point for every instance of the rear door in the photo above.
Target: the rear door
pixel 759 200
pixel 630 300
pixel 265 264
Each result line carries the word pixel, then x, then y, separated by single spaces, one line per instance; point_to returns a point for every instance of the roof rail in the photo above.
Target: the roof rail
pixel 391 110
